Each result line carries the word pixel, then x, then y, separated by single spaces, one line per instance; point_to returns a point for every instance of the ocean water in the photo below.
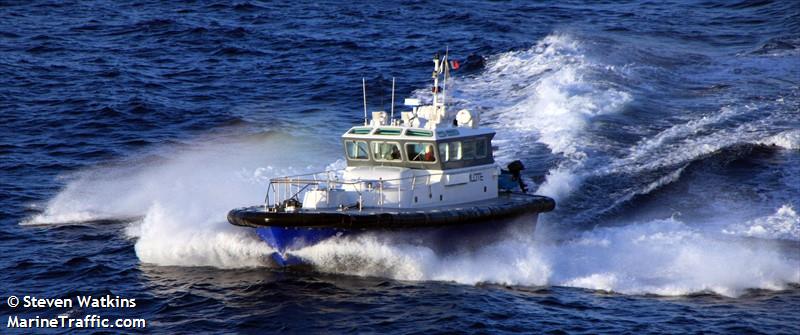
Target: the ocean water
pixel 668 132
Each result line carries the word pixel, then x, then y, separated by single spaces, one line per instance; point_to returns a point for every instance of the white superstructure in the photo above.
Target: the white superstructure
pixel 427 157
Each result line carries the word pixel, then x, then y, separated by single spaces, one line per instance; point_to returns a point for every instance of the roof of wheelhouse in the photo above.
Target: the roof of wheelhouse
pixel 431 122
pixel 413 133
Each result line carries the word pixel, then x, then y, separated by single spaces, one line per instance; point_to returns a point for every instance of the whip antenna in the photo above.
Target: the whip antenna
pixel 364 89
pixel 446 72
pixel 392 116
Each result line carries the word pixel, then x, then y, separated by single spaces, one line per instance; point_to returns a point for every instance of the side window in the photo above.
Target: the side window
pixel 385 151
pixel 480 148
pixel 468 150
pixel 356 150
pixel 444 154
pixel 454 148
pixel 420 152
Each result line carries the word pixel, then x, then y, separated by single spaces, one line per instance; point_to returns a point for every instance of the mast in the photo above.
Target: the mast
pixel 364 89
pixel 444 84
pixel 392 115
pixel 435 75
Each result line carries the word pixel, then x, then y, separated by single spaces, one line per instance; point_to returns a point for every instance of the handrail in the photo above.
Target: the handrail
pixel 289 181
pixel 335 171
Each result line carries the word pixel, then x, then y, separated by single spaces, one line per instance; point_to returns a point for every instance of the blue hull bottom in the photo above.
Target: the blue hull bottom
pixel 440 239
pixel 282 239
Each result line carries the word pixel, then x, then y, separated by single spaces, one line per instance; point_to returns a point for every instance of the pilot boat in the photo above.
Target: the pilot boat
pixel 430 171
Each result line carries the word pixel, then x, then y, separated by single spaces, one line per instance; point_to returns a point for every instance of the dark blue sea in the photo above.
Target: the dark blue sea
pixel 667 131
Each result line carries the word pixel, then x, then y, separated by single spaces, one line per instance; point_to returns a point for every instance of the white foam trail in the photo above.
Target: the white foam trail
pixel 676 145
pixel 554 91
pixel 664 257
pixel 193 236
pixel 679 145
pixel 185 196
pixel 546 90
pixel 667 257
pixel 646 148
pixel 560 181
pixel 690 148
pixel 96 195
pixel 789 139
pixel 508 262
pixel 783 224
pixel 641 190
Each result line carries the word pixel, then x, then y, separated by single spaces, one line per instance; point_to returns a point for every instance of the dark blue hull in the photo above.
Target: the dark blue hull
pixel 441 239
pixel 282 239
pixel 447 227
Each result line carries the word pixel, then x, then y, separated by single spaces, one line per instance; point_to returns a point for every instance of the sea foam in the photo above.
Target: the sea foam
pixel 547 90
pixel 783 224
pixel 665 257
pixel 180 200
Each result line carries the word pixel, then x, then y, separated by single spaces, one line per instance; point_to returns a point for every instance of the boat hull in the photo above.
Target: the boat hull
pixel 282 239
pixel 506 205
pixel 441 239
pixel 474 223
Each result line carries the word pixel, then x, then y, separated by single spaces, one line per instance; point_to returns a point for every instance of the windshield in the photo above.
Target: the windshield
pixel 386 151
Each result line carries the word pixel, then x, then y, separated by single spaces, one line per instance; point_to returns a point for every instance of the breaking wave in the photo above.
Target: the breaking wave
pixel 789 139
pixel 547 90
pixel 181 199
pixel 784 224
pixel 555 93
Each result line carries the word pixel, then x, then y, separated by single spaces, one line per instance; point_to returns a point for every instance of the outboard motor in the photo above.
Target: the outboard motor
pixel 515 168
pixel 512 178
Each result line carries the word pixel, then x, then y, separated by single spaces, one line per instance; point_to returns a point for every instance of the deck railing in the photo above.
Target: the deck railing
pixel 291 187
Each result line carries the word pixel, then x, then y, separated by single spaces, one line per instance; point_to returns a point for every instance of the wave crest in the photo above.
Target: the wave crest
pixel 783 224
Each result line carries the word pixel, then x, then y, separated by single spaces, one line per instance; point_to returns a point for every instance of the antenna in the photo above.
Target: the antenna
pixel 446 72
pixel 364 89
pixel 392 117
pixel 435 75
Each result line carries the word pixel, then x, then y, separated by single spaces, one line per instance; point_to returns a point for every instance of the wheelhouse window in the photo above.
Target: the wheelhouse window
pixel 450 151
pixel 389 131
pixel 356 150
pixel 360 130
pixel 420 152
pixel 463 150
pixel 420 133
pixel 386 151
pixel 468 150
pixel 480 148
pixel 455 150
pixel 444 152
